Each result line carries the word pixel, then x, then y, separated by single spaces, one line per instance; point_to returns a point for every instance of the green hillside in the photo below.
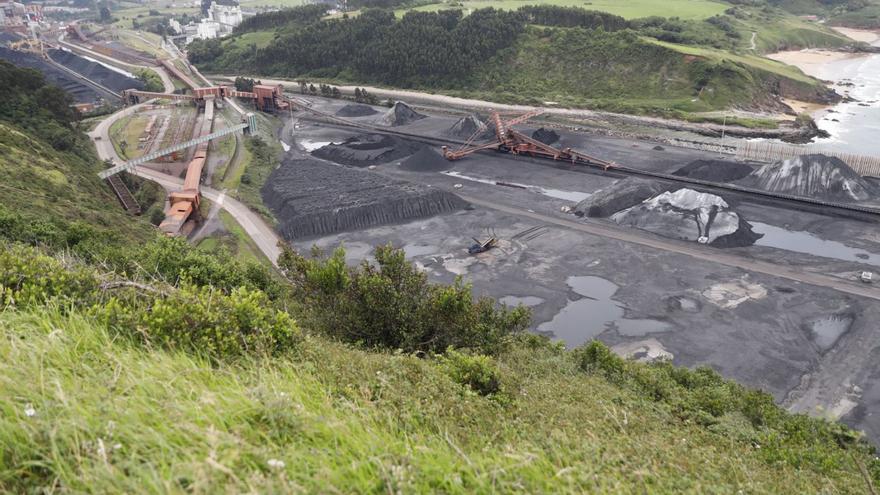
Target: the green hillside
pixel 537 54
pixel 50 193
pixel 624 72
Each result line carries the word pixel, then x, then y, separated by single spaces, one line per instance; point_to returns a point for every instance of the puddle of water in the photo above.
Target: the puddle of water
pixel 573 196
pixel 827 330
pixel 584 319
pixel 527 301
pixel 640 328
pixel 412 250
pixel 805 242
pixel 311 146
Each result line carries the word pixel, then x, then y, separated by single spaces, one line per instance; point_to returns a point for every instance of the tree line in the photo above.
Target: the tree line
pixel 422 49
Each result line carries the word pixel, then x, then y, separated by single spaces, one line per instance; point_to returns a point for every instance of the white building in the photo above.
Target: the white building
pixel 208 29
pixel 228 16
pixel 175 26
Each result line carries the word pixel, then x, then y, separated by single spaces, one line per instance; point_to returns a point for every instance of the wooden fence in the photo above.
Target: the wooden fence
pixel 765 151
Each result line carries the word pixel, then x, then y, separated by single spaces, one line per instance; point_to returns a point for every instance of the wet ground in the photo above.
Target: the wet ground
pixel 813 348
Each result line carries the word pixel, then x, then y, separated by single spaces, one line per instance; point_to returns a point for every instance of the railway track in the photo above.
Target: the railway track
pixel 861 212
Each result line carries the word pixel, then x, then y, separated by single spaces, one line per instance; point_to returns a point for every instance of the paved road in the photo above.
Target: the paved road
pixel 261 233
pixel 696 251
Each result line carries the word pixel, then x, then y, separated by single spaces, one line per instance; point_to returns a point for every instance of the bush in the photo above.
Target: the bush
pixel 29 278
pixel 479 373
pixel 207 321
pixel 392 305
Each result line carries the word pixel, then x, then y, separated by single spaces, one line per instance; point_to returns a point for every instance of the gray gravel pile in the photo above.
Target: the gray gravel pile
pixel 546 136
pixel 400 114
pixel 465 127
pixel 311 198
pixel 356 110
pixel 426 160
pixel 368 149
pixel 714 170
pixel 814 176
pixel 619 196
pixel 95 71
pixel 691 216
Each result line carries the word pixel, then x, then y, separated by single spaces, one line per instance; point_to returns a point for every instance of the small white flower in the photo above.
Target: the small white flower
pixel 275 463
pixel 29 411
pixel 117 446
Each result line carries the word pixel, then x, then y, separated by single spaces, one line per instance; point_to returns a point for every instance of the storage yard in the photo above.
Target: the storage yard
pixel 762 288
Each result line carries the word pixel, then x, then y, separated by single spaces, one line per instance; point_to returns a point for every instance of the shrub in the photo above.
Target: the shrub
pixel 207 321
pixel 29 278
pixel 392 305
pixel 479 373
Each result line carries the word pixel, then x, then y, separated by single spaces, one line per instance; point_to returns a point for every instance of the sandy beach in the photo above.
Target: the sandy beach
pixel 859 34
pixel 811 61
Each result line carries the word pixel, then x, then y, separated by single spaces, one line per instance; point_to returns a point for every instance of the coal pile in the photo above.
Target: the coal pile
pixel 312 198
pixel 546 136
pixel 692 216
pixel 78 90
pixel 426 160
pixel 619 196
pixel 401 114
pixel 714 170
pixel 95 72
pixel 356 110
pixel 368 149
pixel 813 176
pixel 466 127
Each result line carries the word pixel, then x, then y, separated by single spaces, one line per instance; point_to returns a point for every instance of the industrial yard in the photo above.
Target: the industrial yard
pixel 770 297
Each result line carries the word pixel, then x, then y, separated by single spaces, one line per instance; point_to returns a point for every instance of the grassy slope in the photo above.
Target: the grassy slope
pixel 40 181
pixel 111 417
pixel 643 75
pixel 777 31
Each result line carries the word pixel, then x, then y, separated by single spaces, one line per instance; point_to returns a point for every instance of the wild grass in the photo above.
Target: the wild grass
pixel 86 411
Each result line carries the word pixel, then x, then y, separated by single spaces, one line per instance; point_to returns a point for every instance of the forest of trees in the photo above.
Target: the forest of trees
pixel 421 49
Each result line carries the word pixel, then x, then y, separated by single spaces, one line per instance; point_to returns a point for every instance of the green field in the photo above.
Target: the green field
pixel 259 38
pixel 629 9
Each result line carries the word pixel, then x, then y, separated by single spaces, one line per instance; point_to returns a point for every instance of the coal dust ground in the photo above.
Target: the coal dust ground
pixel 311 197
pixel 95 71
pixel 771 333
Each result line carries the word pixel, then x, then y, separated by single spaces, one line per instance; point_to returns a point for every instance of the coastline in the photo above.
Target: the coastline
pixel 852 122
pixel 812 61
